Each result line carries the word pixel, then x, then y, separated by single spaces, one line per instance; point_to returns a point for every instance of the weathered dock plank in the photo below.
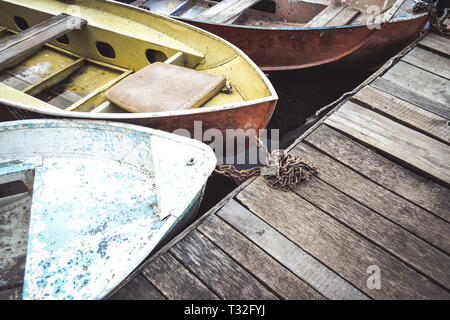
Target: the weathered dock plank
pixel 336 245
pixel 217 270
pixel 138 289
pixel 175 281
pixel 422 152
pixel 436 43
pixel 411 186
pixel 429 61
pixel 303 265
pixel 265 268
pixel 412 97
pixel 388 235
pixel 393 207
pixel 422 82
pixel 405 112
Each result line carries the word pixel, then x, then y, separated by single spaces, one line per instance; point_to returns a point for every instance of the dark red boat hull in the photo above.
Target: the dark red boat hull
pixel 273 49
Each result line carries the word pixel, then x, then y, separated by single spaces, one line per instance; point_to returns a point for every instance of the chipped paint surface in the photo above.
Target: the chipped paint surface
pixel 103 197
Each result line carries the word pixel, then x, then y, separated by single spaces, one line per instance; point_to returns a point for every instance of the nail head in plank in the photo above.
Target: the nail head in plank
pixel 138 289
pixel 395 208
pixel 420 151
pixel 175 281
pixel 336 245
pixel 261 265
pixel 218 271
pixel 411 97
pixel 421 119
pixel 381 170
pixel 303 265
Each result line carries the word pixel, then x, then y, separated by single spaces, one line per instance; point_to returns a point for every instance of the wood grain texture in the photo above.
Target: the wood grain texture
pixel 226 11
pixel 419 150
pixel 421 119
pixel 138 289
pixel 175 281
pixel 343 18
pixel 394 239
pixel 336 245
pixel 11 293
pixel 429 61
pixel 393 207
pixel 217 270
pixel 26 42
pixel 261 265
pixel 417 189
pixel 326 15
pixel 287 253
pixel 436 43
pixel 420 81
pixel 412 97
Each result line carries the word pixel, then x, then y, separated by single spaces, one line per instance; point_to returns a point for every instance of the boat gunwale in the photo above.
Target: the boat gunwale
pixel 409 17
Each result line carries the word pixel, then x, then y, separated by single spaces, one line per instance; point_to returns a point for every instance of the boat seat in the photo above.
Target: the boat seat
pixel 335 14
pixel 164 87
pixel 25 43
pixel 226 11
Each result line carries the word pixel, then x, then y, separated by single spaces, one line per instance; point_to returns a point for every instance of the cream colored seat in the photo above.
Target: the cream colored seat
pixel 164 87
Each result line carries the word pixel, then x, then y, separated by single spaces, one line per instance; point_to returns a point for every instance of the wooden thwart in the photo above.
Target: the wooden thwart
pixel 226 11
pixel 422 152
pixel 21 45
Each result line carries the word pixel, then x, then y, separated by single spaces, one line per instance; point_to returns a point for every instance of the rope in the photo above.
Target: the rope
pixel 436 24
pixel 281 171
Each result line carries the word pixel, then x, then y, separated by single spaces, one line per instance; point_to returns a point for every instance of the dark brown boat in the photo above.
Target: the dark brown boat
pixel 282 35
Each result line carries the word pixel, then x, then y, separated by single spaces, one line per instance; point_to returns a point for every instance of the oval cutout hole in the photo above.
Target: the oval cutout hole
pixel 63 39
pixel 105 50
pixel 155 56
pixel 21 23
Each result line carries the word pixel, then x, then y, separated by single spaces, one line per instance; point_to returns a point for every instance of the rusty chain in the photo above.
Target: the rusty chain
pixel 436 24
pixel 281 171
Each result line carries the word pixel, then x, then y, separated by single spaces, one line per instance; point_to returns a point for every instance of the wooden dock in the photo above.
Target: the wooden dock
pixel 381 202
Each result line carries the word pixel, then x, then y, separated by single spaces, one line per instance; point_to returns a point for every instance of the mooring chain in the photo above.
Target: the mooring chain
pixel 436 24
pixel 281 171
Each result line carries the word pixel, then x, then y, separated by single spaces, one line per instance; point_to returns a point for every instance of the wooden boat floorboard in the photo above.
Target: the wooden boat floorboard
pixel 371 207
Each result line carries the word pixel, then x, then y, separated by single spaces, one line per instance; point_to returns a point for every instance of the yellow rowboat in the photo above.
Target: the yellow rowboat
pixel 97 59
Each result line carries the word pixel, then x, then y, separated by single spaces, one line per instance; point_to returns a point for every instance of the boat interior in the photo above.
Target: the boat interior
pixel 278 13
pixel 53 60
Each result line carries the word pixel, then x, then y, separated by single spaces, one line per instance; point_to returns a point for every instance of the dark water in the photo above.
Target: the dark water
pixel 301 93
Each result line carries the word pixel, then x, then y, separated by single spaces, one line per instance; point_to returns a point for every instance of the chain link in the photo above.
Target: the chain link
pixel 281 171
pixel 436 24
